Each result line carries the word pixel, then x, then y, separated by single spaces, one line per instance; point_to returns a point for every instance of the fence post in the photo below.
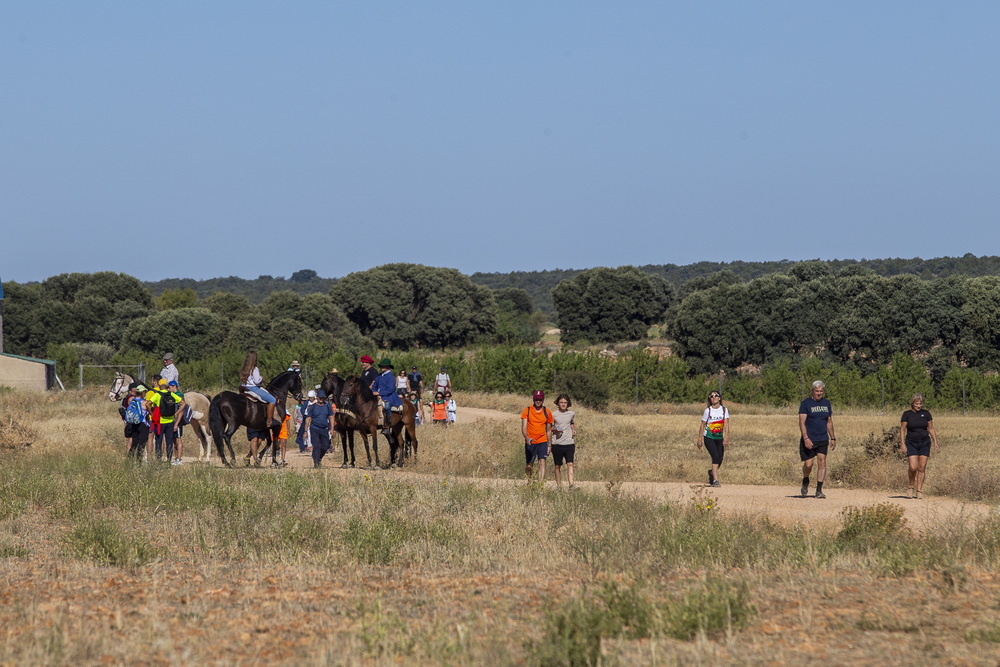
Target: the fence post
pixel 637 387
pixel 472 381
pixel 803 377
pixel 882 380
pixel 722 373
pixel 81 376
pixel 142 372
pixel 222 371
pixel 963 397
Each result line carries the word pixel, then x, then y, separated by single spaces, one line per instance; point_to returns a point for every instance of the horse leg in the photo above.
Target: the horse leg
pixel 373 432
pixel 368 451
pixel 274 446
pixel 411 435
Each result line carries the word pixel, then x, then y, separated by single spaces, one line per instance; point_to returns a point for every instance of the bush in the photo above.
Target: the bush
pixel 871 527
pixel 104 542
pixel 584 388
pixel 883 445
pixel 711 609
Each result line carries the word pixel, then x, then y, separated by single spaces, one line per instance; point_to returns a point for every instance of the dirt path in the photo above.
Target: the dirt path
pixel 781 504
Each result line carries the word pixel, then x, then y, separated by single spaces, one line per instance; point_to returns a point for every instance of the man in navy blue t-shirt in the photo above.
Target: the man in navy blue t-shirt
pixel 816 425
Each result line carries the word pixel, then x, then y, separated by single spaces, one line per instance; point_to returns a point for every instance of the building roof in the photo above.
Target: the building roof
pixel 35 359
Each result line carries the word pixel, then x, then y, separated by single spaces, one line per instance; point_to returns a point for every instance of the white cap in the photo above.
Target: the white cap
pixel 311 394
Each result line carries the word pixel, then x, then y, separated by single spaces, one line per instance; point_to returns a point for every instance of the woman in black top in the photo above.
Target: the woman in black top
pixel 916 431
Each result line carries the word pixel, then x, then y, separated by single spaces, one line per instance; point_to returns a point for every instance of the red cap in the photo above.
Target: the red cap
pixel 367 360
pixel 538 395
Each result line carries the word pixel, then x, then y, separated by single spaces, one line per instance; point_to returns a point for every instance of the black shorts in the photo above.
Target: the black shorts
pixel 918 449
pixel 129 429
pixel 562 453
pixel 819 447
pixel 179 431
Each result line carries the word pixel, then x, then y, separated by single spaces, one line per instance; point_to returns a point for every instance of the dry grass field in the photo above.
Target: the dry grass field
pixel 103 561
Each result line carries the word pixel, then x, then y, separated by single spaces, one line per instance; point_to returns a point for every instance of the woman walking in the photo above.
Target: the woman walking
pixel 916 431
pixel 714 434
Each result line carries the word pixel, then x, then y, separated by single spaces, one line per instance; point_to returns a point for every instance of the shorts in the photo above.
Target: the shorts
pixel 254 434
pixel 562 453
pixel 536 451
pixel 180 431
pixel 819 447
pixel 919 449
pixel 129 429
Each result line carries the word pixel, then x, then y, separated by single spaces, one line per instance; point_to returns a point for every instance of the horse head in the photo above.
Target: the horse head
pixel 120 386
pixel 350 388
pixel 288 382
pixel 333 385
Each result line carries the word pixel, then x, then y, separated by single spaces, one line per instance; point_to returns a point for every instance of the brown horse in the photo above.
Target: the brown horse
pixel 364 409
pixel 232 410
pixel 345 422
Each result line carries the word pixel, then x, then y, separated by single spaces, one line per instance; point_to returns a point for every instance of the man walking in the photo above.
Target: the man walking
pixel 415 383
pixel 442 382
pixel 816 426
pixel 536 427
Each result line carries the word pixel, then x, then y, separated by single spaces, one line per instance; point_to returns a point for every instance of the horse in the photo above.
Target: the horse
pixel 365 408
pixel 198 402
pixel 345 422
pixel 230 410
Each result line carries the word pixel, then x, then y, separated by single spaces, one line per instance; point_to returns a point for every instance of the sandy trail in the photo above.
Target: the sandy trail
pixel 779 503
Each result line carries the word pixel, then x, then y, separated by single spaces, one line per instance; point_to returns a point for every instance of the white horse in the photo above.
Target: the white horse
pixel 199 410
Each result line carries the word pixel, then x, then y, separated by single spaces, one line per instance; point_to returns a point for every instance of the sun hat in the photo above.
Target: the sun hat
pixel 311 393
pixel 367 360
pixel 295 362
pixel 385 363
pixel 333 372
pixel 539 395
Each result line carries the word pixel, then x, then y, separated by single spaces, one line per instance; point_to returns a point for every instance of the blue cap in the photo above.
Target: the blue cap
pixel 173 383
pixel 320 394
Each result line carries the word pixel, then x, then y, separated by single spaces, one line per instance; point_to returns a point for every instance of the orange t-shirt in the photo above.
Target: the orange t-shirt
pixel 537 419
pixel 283 434
pixel 440 410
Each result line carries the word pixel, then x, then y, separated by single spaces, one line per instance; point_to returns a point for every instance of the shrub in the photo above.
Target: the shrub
pixel 711 609
pixel 883 445
pixel 106 543
pixel 870 527
pixel 584 388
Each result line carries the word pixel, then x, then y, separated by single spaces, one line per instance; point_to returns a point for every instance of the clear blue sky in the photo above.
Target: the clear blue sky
pixel 201 139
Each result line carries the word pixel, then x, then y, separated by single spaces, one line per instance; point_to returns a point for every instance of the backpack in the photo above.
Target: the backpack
pixel 134 413
pixel 168 404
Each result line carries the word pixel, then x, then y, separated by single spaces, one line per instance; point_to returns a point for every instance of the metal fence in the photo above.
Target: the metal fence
pixel 97 374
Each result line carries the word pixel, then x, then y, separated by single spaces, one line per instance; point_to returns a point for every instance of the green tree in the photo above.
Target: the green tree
pixel 226 305
pixel 191 333
pixel 177 298
pixel 401 305
pixel 513 300
pixel 610 304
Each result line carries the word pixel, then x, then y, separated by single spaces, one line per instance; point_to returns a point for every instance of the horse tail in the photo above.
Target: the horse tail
pixel 215 425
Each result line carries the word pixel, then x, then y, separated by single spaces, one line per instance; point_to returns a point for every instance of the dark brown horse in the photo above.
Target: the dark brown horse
pixel 230 410
pixel 345 422
pixel 363 407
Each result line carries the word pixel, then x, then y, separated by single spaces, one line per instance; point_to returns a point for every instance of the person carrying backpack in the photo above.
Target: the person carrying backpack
pixel 536 427
pixel 136 421
pixel 169 405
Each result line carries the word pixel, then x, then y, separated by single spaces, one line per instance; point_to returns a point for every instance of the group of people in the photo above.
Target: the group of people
pixel 549 433
pixel 158 411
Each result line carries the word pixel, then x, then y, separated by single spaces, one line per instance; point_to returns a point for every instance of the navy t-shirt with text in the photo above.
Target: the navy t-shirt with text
pixel 817 413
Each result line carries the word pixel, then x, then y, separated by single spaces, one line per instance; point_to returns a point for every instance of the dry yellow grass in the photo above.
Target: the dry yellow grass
pixel 304 567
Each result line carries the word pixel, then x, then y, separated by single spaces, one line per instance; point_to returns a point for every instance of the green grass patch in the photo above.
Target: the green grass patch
pixel 107 543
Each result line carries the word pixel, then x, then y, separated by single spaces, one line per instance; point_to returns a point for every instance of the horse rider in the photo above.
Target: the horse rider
pixel 385 388
pixel 295 367
pixel 368 372
pixel 251 381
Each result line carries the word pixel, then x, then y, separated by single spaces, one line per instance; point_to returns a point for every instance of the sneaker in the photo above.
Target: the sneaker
pixel 805 490
pixel 175 462
pixel 820 494
pixel 716 483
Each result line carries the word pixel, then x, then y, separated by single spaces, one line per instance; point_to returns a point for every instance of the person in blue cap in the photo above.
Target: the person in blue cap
pixel 318 417
pixel 385 388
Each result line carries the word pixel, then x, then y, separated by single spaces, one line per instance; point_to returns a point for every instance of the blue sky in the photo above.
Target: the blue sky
pixel 193 139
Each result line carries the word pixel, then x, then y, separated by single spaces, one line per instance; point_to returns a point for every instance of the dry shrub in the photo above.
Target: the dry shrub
pixel 884 445
pixel 14 434
pixel 967 483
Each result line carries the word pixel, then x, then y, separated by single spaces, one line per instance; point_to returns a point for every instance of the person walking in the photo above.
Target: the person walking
pixel 167 404
pixel 442 381
pixel 178 424
pixel 415 383
pixel 252 382
pixel 452 407
pixel 536 427
pixel 318 421
pixel 714 434
pixel 817 437
pixel 169 372
pixel 564 440
pixel 439 409
pixel 402 383
pixel 136 421
pixel 916 432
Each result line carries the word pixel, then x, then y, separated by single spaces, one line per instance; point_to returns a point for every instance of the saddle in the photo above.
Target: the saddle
pixel 250 396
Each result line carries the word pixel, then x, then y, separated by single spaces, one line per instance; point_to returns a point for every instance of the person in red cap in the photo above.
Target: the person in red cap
pixel 536 427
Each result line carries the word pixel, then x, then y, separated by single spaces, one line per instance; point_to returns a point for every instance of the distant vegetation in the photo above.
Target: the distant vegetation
pixel 765 325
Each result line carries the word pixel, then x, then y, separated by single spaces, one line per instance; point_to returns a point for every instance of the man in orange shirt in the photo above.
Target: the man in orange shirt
pixel 536 427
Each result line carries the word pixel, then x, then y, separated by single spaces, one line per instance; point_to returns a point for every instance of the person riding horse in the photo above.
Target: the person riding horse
pixel 385 388
pixel 252 382
pixel 368 374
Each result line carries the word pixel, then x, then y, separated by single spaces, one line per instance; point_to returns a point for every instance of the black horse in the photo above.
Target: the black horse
pixel 230 410
pixel 345 422
pixel 362 407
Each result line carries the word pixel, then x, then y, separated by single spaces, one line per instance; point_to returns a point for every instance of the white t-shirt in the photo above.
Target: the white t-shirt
pixel 442 380
pixel 400 382
pixel 170 374
pixel 562 429
pixel 254 379
pixel 715 428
